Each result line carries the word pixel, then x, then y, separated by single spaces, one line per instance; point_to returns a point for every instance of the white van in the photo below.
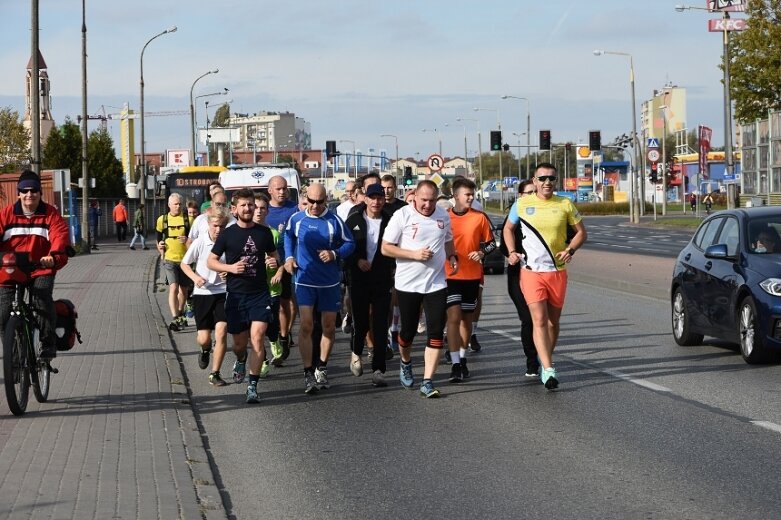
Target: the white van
pixel 256 178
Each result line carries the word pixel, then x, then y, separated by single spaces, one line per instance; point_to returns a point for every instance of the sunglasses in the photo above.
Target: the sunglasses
pixel 29 190
pixel 532 192
pixel 315 201
pixel 546 178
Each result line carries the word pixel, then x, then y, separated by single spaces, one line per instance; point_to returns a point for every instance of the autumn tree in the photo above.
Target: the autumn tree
pixel 14 141
pixel 755 61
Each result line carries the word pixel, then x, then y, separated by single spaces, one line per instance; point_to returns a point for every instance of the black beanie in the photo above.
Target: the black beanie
pixel 29 179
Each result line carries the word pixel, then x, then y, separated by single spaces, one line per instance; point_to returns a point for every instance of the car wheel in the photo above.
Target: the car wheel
pixel 752 345
pixel 680 320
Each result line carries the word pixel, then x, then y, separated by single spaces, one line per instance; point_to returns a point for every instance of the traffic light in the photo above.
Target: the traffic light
pixel 496 140
pixel 544 139
pixel 594 140
pixel 408 176
pixel 506 147
pixel 654 173
pixel 330 148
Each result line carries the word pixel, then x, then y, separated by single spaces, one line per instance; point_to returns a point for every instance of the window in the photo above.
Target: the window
pixel 707 233
pixel 730 235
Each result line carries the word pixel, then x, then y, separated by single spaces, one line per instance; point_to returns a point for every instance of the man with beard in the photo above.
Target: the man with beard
pixel 419 237
pixel 249 250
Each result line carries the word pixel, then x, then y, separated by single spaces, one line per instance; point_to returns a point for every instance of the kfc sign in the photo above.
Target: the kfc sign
pixel 728 24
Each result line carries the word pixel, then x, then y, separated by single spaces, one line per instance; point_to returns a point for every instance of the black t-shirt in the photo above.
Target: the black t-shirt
pixel 251 245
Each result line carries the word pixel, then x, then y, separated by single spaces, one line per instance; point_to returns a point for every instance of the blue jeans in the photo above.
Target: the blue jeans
pixel 138 234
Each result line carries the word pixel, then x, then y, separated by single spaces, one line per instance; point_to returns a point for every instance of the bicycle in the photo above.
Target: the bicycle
pixel 22 365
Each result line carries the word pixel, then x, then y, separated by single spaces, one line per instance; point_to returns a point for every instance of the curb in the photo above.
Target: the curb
pixel 210 503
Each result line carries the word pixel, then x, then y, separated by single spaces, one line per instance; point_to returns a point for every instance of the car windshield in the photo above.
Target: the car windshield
pixel 764 235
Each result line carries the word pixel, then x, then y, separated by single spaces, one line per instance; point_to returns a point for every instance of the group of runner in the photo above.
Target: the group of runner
pixel 398 261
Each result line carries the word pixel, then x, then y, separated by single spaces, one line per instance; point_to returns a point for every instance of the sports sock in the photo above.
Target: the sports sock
pixel 253 380
pixel 462 352
pixel 455 358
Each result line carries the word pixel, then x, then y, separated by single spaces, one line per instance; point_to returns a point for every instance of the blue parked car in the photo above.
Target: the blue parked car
pixel 727 282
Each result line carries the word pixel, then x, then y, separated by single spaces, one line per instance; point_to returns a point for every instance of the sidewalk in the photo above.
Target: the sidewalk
pixel 117 438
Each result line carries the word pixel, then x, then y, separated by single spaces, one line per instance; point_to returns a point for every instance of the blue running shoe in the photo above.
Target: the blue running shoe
pixel 239 370
pixel 427 389
pixel 252 394
pixel 548 378
pixel 405 375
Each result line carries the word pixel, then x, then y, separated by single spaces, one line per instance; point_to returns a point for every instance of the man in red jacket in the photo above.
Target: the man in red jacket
pixel 32 226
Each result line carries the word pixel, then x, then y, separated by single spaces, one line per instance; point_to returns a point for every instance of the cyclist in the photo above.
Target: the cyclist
pixel 32 226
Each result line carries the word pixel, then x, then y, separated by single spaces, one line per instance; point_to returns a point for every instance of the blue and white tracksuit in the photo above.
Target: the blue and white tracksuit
pixel 305 235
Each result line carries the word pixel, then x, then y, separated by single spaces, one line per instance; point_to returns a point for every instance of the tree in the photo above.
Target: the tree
pixel 103 166
pixel 755 58
pixel 63 149
pixel 14 141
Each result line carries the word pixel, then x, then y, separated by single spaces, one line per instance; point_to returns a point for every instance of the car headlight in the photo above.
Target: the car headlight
pixel 771 286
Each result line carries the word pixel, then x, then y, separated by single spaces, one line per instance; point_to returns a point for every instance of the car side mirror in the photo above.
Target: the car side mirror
pixel 716 251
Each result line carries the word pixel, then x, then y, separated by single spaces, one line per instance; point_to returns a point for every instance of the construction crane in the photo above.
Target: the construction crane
pixel 104 118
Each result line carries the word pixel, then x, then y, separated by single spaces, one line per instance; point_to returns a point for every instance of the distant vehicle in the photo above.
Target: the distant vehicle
pixel 191 182
pixel 493 263
pixel 727 282
pixel 256 178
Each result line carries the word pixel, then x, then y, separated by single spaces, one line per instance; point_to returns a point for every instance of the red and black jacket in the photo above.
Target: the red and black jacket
pixel 44 233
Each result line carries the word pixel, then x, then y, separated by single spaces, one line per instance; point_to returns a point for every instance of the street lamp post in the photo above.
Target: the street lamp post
pixel 479 152
pixel 355 161
pixel 224 92
pixel 528 135
pixel 499 127
pixel 729 166
pixel 636 208
pixel 142 177
pixel 192 112
pixel 396 139
pixel 663 110
pixel 439 138
pixel 84 165
pixel 519 135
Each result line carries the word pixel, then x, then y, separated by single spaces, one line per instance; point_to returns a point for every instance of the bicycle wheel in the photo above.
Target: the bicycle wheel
pixel 16 368
pixel 39 375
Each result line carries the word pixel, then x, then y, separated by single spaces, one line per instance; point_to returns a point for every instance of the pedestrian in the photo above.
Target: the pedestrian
pixel 201 222
pixel 420 238
pixel 208 296
pixel 708 201
pixel 139 228
pixel 473 240
pixel 274 280
pixel 370 279
pixel 280 209
pixel 249 250
pixel 525 189
pixel 120 220
pixel 343 209
pixel 172 230
pixel 94 217
pixel 693 201
pixel 214 187
pixel 192 209
pixel 315 240
pixel 544 218
pixel 392 204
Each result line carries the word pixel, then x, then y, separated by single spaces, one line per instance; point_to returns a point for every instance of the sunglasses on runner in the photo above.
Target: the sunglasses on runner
pixel 315 201
pixel 29 190
pixel 532 192
pixel 546 178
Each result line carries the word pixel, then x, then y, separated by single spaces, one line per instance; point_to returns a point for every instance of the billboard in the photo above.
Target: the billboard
pixel 177 158
pixel 727 5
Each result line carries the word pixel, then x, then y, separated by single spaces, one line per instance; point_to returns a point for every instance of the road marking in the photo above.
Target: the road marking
pixel 619 375
pixel 767 425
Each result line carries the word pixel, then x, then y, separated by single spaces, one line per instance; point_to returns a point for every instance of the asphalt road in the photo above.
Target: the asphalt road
pixel 640 428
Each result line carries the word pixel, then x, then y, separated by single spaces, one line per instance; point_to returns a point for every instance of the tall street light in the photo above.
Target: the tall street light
pixel 439 138
pixel 479 152
pixel 84 140
pixel 192 112
pixel 663 110
pixel 142 178
pixel 224 92
pixel 396 139
pixel 528 134
pixel 636 208
pixel 355 159
pixel 729 165
pixel 499 127
pixel 466 162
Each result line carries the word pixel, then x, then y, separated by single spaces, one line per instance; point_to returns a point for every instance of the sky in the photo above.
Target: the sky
pixel 358 69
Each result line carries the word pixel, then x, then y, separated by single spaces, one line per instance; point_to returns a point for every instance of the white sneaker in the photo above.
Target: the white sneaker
pixel 378 379
pixel 321 377
pixel 356 366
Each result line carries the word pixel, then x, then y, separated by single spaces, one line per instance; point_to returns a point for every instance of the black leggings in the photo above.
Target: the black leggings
pixel 527 338
pixel 375 297
pixel 436 316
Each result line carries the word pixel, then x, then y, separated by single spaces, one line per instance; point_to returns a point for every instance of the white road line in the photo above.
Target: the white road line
pixel 619 375
pixel 767 425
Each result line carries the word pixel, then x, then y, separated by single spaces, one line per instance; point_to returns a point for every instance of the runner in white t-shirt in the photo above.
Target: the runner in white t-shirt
pixel 208 294
pixel 200 225
pixel 419 237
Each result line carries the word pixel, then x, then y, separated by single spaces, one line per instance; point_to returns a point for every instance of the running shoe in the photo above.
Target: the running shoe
pixel 264 369
pixel 203 358
pixel 347 324
pixel 356 366
pixel 284 342
pixel 378 379
pixel 405 374
pixel 421 326
pixel 455 373
pixel 464 369
pixel 321 377
pixel 310 384
pixel 215 379
pixel 448 359
pixel 276 353
pixel 388 353
pixel 427 389
pixel 252 394
pixel 188 309
pixel 474 345
pixel 393 340
pixel 532 370
pixel 182 321
pixel 174 325
pixel 548 377
pixel 240 370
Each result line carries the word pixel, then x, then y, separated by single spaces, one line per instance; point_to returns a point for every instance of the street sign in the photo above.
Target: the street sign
pixel 653 154
pixel 653 142
pixel 730 24
pixel 597 157
pixel 437 179
pixel 435 162
pixel 727 5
